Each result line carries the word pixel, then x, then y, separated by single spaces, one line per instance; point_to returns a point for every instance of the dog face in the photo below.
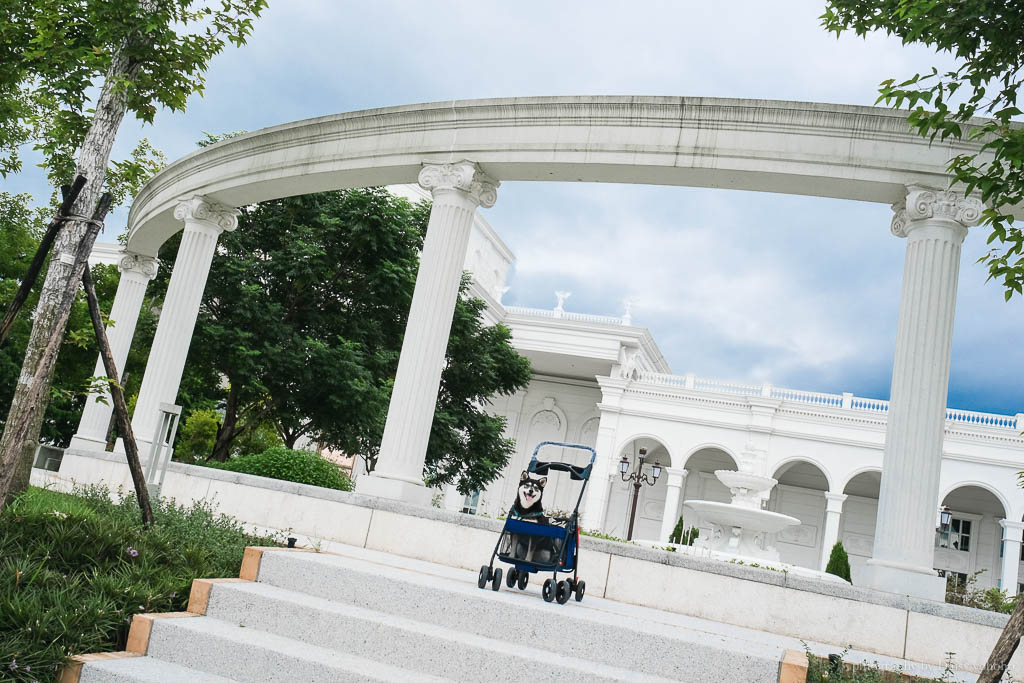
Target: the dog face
pixel 530 490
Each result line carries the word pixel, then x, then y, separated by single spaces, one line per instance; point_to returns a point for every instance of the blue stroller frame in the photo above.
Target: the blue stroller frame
pixel 532 547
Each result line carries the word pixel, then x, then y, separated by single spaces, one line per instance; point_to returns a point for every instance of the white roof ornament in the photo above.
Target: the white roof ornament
pixel 560 308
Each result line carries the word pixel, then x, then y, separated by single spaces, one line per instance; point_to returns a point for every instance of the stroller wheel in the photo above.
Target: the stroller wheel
pixel 485 575
pixel 572 584
pixel 510 580
pixel 581 588
pixel 562 592
pixel 548 590
pixel 522 578
pixel 496 581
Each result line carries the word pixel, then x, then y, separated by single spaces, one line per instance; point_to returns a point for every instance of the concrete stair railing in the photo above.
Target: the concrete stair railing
pixel 303 616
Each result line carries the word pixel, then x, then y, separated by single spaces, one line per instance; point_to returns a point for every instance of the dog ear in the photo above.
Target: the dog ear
pixel 542 481
pixel 524 476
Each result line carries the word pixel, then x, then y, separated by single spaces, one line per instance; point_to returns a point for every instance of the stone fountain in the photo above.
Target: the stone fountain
pixel 741 529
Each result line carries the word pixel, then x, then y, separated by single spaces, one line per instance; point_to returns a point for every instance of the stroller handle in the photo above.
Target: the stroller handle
pixel 577 473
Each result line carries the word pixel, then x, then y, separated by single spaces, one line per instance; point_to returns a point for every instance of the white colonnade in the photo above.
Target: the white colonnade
pixel 204 221
pixel 457 189
pixel 136 273
pixel 934 222
pixel 674 479
pixel 833 511
pixel 1012 533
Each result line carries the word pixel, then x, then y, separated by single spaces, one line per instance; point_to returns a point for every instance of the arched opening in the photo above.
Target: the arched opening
pixel 701 483
pixel 857 523
pixel 650 506
pixel 970 544
pixel 800 493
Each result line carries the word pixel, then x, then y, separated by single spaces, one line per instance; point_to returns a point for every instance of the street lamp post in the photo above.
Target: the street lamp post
pixel 638 478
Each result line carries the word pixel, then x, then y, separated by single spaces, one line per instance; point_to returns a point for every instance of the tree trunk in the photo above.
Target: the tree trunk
pixel 70 195
pixel 1007 644
pixel 18 440
pixel 227 431
pixel 25 417
pixel 131 448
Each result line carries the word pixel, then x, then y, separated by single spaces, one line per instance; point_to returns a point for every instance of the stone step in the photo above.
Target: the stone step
pixel 598 631
pixel 248 655
pixel 144 670
pixel 449 652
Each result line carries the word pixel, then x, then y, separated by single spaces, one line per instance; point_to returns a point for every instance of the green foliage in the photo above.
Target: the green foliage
pixel 969 595
pixel 594 533
pixel 838 562
pixel 21 228
pixel 983 36
pixel 53 54
pixel 75 568
pixel 256 439
pixel 838 670
pixel 304 312
pixel 303 467
pixel 681 535
pixel 196 436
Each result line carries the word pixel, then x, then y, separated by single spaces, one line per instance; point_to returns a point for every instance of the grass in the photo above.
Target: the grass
pixel 75 568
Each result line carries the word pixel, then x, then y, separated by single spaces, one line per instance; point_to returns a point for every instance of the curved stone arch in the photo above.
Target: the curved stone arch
pixel 803 458
pixel 563 421
pixel 827 150
pixel 646 435
pixel 706 445
pixel 1008 510
pixel 590 417
pixel 857 472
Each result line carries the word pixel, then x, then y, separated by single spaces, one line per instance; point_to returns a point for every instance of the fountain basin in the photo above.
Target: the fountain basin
pixel 729 515
pixel 738 530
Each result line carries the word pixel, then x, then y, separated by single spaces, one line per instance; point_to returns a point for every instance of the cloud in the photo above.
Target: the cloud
pixel 796 290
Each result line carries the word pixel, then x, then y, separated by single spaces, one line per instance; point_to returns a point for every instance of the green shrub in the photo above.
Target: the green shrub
pixel 303 467
pixel 681 535
pixel 197 436
pixel 969 595
pixel 255 439
pixel 838 562
pixel 75 568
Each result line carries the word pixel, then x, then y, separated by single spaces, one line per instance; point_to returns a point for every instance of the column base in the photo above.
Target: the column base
pixel 918 582
pixel 87 443
pixel 374 484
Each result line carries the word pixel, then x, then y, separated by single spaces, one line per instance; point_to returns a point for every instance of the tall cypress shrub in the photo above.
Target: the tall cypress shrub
pixel 839 562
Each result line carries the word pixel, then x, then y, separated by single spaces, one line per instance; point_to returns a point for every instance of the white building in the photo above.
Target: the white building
pixel 599 381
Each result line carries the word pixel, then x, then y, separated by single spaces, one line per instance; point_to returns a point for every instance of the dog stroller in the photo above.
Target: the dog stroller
pixel 544 544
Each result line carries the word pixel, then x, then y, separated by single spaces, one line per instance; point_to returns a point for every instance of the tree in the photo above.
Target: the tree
pixel 839 562
pixel 143 54
pixel 20 230
pixel 984 38
pixel 303 315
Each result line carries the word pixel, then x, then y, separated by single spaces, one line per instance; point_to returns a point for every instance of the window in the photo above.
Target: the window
pixel 957 537
pixel 955 581
pixel 471 502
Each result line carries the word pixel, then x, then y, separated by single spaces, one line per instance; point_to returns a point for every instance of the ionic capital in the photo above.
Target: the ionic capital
pixel 925 203
pixel 834 501
pixel 137 264
pixel 465 176
pixel 221 216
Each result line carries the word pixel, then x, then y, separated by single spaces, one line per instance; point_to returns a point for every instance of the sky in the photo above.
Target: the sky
pixel 799 291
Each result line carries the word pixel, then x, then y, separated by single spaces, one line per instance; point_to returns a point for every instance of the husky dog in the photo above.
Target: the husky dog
pixel 529 506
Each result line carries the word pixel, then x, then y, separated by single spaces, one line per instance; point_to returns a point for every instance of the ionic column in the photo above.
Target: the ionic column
pixel 935 223
pixel 833 510
pixel 674 484
pixel 1012 533
pixel 457 189
pixel 136 272
pixel 204 221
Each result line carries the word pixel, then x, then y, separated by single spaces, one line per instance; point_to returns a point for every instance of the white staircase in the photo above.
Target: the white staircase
pixel 367 616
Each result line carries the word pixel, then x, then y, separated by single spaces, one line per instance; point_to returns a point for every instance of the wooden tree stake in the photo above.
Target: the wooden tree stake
pixel 37 261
